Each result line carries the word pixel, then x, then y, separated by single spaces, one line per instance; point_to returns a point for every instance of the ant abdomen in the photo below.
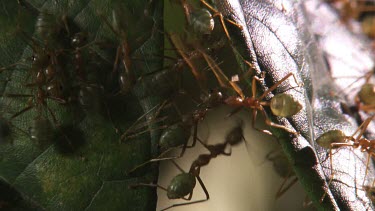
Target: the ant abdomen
pixel 332 136
pixel 367 94
pixel 181 185
pixel 41 131
pixel 202 21
pixel 284 105
pixel 174 136
pixel 49 27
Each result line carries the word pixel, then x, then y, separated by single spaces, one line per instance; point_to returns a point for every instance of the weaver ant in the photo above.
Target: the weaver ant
pixel 127 78
pixel 334 139
pixel 183 184
pixel 283 105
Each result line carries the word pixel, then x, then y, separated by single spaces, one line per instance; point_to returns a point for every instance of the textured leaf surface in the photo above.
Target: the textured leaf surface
pixel 278 41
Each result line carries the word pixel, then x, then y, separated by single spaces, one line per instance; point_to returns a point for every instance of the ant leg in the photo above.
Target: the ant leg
pixel 273 87
pixel 181 49
pixel 53 115
pixel 272 124
pixel 65 22
pixel 148 185
pixel 115 65
pixel 333 146
pixel 331 176
pixel 220 76
pixel 22 111
pixel 161 156
pixel 255 112
pixel 193 202
pixel 283 189
pixel 362 128
pixel 367 108
pixel 366 171
pixel 217 13
pixel 125 134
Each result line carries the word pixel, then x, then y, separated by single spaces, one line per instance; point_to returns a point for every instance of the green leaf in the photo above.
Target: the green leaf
pixel 84 166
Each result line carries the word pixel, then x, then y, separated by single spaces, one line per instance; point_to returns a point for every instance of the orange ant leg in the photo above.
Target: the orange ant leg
pixel 255 112
pixel 333 146
pixel 278 83
pixel 367 108
pixel 272 124
pixel 366 171
pixel 220 15
pixel 362 128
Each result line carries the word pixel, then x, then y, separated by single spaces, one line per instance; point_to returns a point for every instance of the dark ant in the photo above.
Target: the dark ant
pixel 77 42
pixel 335 139
pixel 45 70
pixel 50 28
pixel 183 184
pixel 178 135
pixel 127 78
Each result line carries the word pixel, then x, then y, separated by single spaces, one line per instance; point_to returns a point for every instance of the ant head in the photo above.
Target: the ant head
pixel 213 99
pixel 181 185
